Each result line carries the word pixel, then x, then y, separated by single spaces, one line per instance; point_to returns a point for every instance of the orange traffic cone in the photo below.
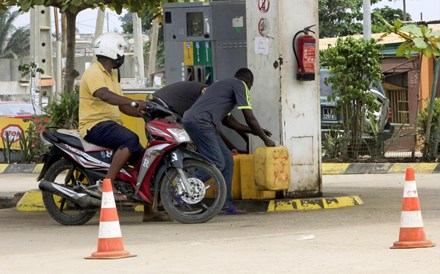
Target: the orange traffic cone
pixel 110 244
pixel 412 234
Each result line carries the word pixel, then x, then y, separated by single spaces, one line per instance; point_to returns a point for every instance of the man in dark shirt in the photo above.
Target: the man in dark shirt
pixel 201 120
pixel 180 96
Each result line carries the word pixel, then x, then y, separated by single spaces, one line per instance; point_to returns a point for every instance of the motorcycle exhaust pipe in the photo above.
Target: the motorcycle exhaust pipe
pixel 82 199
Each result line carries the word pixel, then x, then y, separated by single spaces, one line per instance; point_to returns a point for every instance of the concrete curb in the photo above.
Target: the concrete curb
pixel 31 201
pixel 377 168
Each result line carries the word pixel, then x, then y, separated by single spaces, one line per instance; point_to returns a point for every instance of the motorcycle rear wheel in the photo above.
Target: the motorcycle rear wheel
pixel 211 190
pixel 61 210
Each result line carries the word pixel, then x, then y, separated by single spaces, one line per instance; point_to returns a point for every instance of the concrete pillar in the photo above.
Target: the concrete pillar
pixel 154 37
pixel 289 108
pixel 138 50
pixel 41 48
pixel 41 38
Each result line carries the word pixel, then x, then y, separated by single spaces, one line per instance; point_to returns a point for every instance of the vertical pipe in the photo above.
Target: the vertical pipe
pixel 59 57
pixel 367 19
pixel 138 50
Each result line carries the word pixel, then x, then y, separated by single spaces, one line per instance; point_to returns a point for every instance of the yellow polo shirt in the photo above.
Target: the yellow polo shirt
pixel 93 110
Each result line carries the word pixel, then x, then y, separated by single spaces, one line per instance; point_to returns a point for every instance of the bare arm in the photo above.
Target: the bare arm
pixel 241 129
pixel 255 126
pixel 124 103
pixel 232 123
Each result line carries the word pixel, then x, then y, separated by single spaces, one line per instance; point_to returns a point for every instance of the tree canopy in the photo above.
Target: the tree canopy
pixel 70 10
pixel 76 6
pixel 354 65
pixel 13 42
pixel 345 17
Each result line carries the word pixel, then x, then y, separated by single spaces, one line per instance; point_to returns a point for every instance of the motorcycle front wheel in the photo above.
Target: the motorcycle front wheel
pixel 60 209
pixel 207 197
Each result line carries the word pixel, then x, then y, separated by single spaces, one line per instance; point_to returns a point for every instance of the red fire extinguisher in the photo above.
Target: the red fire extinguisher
pixel 305 57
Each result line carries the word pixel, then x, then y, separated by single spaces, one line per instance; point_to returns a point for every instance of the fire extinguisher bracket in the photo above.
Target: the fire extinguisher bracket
pixel 301 76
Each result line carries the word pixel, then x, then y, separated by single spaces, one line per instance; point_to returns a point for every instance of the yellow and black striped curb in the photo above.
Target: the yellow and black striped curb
pixel 32 201
pixel 327 168
pixel 20 168
pixel 302 204
pixel 314 203
pixel 377 168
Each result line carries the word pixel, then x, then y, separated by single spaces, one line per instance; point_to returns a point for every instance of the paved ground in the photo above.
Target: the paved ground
pixel 347 240
pixel 12 188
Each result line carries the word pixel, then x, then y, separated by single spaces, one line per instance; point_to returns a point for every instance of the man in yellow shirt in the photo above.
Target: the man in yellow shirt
pixel 102 100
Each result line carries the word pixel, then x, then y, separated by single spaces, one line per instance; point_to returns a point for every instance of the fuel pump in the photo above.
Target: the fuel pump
pixel 305 57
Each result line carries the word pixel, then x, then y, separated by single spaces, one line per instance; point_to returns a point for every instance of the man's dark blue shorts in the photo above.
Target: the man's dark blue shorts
pixel 112 135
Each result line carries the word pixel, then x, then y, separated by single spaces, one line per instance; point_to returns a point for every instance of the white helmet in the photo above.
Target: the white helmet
pixel 111 45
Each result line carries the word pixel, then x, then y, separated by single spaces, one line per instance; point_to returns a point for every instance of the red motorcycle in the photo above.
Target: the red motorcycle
pixel 169 174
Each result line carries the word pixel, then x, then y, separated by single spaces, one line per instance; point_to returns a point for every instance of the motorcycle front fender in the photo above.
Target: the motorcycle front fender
pixel 48 159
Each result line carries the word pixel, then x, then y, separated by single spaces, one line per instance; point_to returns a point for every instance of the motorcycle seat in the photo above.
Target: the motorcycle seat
pixel 73 137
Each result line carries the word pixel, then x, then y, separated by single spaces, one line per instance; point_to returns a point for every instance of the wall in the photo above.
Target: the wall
pixel 15 87
pixel 287 107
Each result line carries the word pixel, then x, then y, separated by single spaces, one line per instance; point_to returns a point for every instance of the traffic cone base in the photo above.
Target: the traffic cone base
pixel 110 255
pixel 412 244
pixel 110 244
pixel 412 234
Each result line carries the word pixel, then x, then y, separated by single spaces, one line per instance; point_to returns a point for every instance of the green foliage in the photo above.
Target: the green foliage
pixel 6 148
pixel 19 44
pixel 344 17
pixel 14 43
pixel 424 41
pixel 31 144
pixel 428 121
pixel 417 39
pixel 76 6
pixel 332 144
pixel 127 22
pixel 353 64
pixel 71 8
pixel 340 17
pixel 422 118
pixel 64 112
pixel 30 69
pixel 389 15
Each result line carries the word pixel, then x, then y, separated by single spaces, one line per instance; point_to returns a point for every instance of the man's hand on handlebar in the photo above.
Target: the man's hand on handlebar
pixel 139 105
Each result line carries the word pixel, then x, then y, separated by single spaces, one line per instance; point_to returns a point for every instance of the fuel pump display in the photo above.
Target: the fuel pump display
pixel 204 41
pixel 305 57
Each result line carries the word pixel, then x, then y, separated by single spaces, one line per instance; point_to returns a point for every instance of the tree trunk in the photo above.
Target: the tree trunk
pixel 71 73
pixel 64 35
pixel 153 51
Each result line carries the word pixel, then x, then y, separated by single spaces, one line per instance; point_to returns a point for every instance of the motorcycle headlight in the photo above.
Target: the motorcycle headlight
pixel 180 134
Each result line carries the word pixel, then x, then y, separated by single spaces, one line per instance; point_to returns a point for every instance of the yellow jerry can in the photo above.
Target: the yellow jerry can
pixel 272 168
pixel 236 187
pixel 247 179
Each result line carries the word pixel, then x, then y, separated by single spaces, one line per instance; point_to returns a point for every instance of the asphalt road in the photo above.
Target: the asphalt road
pixel 347 240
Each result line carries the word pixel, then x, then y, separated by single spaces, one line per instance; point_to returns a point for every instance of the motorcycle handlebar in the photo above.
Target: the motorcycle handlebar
pixel 158 110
